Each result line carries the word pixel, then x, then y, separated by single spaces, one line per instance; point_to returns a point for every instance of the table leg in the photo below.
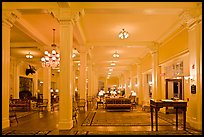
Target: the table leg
pixel 176 118
pixel 184 118
pixel 156 118
pixel 151 109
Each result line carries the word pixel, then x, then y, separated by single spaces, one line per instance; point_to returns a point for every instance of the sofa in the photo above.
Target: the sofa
pixel 118 104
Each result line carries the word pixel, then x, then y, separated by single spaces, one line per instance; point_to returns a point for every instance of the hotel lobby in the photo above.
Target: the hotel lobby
pixel 102 68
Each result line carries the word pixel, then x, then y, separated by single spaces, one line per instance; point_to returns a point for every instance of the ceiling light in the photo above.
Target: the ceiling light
pixel 75 53
pixel 53 59
pixel 112 64
pixel 123 34
pixel 115 54
pixel 29 55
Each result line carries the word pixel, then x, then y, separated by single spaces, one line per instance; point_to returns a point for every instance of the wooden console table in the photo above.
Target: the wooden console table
pixel 165 103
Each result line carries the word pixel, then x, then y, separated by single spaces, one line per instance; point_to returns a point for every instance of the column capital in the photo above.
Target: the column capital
pixel 153 47
pixel 190 16
pixel 66 14
pixel 10 16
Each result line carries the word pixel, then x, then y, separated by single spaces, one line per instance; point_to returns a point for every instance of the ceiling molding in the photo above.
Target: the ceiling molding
pixel 63 4
pixel 122 43
pixel 23 44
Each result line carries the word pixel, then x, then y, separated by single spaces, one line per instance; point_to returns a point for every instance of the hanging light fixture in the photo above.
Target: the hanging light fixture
pixel 29 55
pixel 116 54
pixel 113 64
pixel 51 59
pixel 75 53
pixel 123 34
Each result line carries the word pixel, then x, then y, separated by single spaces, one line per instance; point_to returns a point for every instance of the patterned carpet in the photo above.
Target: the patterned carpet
pixel 83 132
pixel 117 119
pixel 21 132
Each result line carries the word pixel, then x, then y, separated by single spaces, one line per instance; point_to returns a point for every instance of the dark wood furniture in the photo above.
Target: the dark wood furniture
pixel 118 103
pixel 12 114
pixel 99 103
pixel 42 104
pixel 81 103
pixel 23 103
pixel 177 104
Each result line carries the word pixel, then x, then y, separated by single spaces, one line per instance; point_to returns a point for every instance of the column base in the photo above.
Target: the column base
pixel 194 123
pixel 5 123
pixel 65 125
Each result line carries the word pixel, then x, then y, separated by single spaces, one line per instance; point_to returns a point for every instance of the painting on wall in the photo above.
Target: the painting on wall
pixel 26 84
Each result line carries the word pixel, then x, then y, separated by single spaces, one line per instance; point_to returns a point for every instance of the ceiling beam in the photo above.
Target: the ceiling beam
pixel 29 30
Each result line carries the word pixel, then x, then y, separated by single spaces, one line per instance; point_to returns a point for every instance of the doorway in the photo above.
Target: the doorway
pixel 174 90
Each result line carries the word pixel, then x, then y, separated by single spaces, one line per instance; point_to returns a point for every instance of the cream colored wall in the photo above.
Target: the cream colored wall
pixel 173 46
pixel 146 67
pixel 112 81
pixel 177 47
pixel 146 62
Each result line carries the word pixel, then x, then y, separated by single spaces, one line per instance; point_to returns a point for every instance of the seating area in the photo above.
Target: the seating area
pixel 119 104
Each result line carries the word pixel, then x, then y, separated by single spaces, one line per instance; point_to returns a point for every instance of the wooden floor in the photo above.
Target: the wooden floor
pixel 46 123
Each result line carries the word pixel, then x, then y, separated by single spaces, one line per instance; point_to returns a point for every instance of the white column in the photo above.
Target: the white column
pixel 6 27
pixel 82 76
pixel 35 83
pixel 47 85
pixel 155 73
pixel 139 83
pixel 95 83
pixel 66 70
pixel 16 74
pixel 105 84
pixel 90 79
pixel 194 110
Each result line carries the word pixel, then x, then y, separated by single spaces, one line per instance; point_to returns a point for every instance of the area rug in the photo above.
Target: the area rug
pixel 121 119
pixel 179 132
pixel 23 132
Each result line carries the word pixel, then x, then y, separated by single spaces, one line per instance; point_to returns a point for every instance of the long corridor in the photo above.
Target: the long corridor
pixel 98 122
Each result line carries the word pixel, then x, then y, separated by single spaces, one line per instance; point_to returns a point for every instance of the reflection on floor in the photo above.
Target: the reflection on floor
pixel 99 122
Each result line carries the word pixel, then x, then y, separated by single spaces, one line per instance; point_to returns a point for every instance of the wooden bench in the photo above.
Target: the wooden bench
pixel 22 103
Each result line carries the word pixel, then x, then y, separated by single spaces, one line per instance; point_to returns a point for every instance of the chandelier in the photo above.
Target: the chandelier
pixel 75 53
pixel 116 55
pixel 51 59
pixel 29 55
pixel 123 34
